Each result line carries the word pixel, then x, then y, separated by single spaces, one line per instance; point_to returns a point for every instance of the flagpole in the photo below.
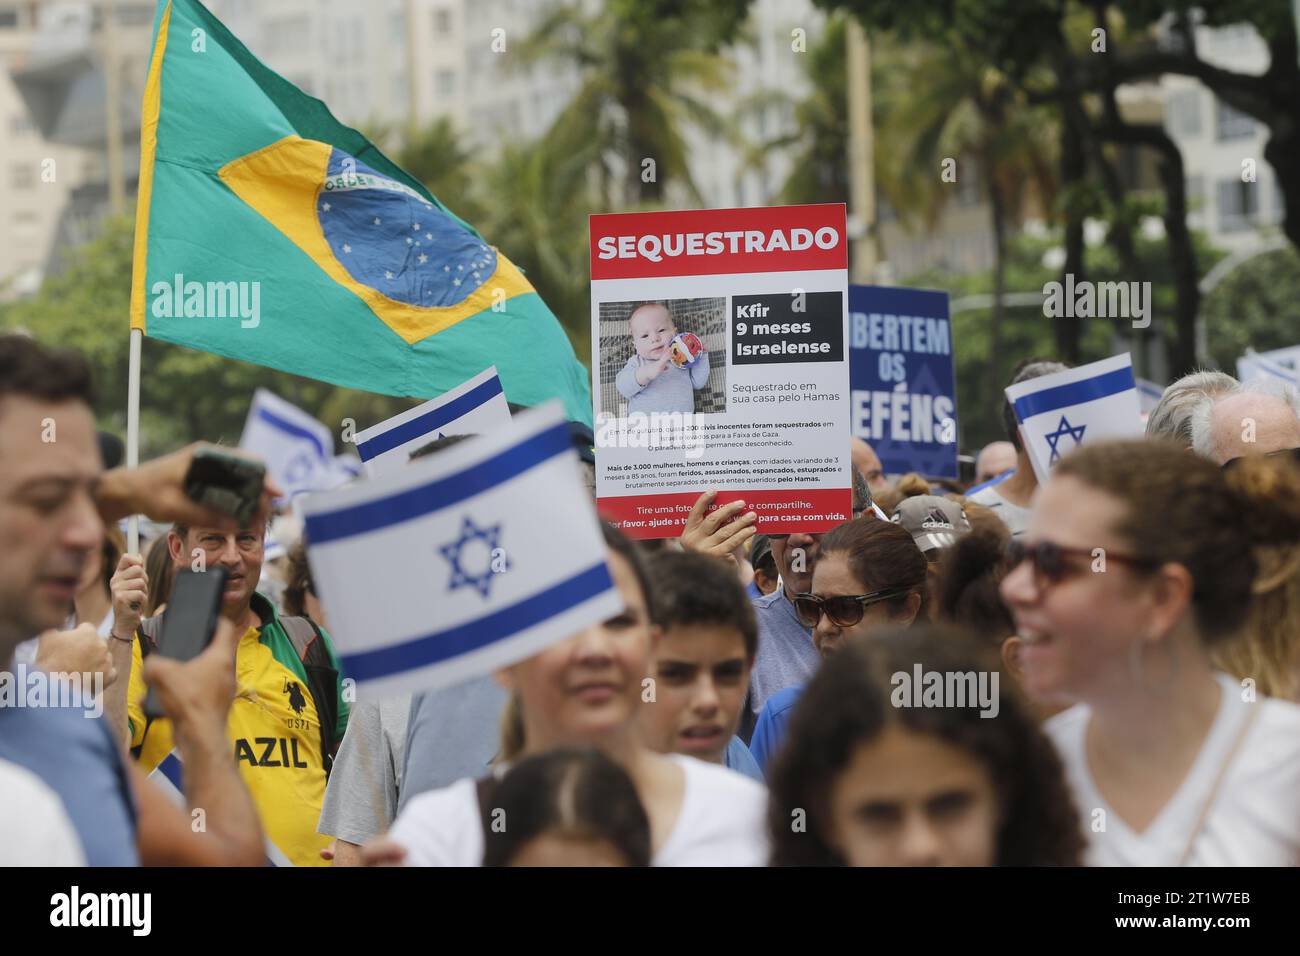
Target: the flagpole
pixel 133 430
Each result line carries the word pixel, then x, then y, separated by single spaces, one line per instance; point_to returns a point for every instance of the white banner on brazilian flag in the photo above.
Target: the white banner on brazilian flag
pixel 479 556
pixel 1061 411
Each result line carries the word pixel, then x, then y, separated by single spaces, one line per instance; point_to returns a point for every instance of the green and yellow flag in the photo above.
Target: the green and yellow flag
pixel 268 231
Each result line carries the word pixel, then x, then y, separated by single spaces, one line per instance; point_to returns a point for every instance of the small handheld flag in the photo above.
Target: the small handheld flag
pixel 1061 411
pixel 298 450
pixel 476 407
pixel 1267 367
pixel 463 562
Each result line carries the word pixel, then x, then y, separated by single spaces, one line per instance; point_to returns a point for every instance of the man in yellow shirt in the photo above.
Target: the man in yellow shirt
pixel 288 686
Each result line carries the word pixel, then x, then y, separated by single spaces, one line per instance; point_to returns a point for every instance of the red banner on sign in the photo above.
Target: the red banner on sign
pixel 719 242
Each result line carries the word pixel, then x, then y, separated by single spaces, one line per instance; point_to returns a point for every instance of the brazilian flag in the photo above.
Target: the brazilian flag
pixel 268 231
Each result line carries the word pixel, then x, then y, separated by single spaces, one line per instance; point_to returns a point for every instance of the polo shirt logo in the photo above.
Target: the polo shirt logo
pixel 296 700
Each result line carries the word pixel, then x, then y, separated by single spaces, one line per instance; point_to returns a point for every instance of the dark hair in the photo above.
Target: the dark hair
pixel 297 581
pixel 572 792
pixel 110 552
pixel 1023 372
pixel 159 571
pixel 881 555
pixel 437 445
pixel 861 493
pixel 970 574
pixel 695 588
pixel 31 369
pixel 849 704
pixel 623 546
pixel 1180 508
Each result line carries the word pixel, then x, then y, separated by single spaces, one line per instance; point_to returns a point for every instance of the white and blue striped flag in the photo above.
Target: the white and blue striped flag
pixel 1279 365
pixel 1149 395
pixel 168 776
pixel 1061 411
pixel 298 450
pixel 463 562
pixel 476 407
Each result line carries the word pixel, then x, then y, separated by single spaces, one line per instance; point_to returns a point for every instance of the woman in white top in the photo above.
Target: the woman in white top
pixel 1137 561
pixel 587 690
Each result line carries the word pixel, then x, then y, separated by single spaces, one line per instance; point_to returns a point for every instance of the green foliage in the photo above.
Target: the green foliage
pixel 647 68
pixel 184 394
pixel 1257 305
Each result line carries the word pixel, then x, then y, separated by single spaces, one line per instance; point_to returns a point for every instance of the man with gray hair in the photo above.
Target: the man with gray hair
pixel 1256 419
pixel 1172 416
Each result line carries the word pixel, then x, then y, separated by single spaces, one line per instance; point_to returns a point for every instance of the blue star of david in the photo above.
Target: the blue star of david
pixel 460 577
pixel 1063 429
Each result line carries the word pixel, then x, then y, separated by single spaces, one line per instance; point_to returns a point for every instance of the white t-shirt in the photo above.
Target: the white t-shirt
pixel 1255 817
pixel 1014 517
pixel 722 822
pixel 34 828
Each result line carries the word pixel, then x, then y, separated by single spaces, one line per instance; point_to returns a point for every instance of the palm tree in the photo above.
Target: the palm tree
pixel 646 69
pixel 942 102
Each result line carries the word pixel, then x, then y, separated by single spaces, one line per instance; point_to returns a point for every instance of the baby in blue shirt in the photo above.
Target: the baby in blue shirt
pixel 651 381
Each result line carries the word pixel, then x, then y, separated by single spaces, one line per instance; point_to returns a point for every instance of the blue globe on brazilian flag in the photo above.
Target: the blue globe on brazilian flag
pixel 268 231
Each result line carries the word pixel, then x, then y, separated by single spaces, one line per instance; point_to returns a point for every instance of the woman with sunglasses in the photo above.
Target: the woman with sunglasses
pixel 1137 563
pixel 869 575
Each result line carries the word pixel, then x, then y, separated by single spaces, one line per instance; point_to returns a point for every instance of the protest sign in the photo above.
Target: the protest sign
pixel 720 364
pixel 462 562
pixel 475 407
pixel 904 391
pixel 1061 411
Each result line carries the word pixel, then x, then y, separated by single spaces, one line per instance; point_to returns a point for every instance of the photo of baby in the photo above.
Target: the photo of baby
pixel 660 356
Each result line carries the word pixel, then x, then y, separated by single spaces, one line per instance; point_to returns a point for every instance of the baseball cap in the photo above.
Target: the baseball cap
pixel 933 522
pixel 759 549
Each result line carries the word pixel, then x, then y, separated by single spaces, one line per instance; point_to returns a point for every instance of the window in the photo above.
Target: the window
pixel 446 82
pixel 22 176
pixel 441 22
pixel 1184 118
pixel 1195 192
pixel 1238 205
pixel 8 19
pixel 20 124
pixel 1231 123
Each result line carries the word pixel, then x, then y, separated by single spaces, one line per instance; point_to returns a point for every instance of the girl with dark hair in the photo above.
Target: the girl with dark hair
pixel 1136 567
pixel 587 691
pixel 870 776
pixel 869 574
pixel 568 807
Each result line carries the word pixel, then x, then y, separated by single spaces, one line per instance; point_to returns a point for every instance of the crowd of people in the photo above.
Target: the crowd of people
pixel 1101 670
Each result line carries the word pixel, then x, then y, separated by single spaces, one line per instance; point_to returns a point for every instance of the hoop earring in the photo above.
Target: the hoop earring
pixel 1138 672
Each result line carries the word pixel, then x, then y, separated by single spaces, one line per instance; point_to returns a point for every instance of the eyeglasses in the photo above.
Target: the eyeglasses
pixel 1050 564
pixel 1292 453
pixel 843 610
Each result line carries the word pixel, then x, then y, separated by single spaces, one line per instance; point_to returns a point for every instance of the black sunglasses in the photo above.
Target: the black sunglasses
pixel 844 610
pixel 1292 453
pixel 1050 560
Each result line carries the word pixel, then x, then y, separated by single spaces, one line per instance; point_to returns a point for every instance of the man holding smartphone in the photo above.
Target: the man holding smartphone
pixel 286 691
pixel 54 500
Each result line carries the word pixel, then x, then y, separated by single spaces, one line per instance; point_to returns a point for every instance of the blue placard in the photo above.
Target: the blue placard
pixel 902 379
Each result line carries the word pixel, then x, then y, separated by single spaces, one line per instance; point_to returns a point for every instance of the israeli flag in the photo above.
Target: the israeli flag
pixel 1061 411
pixel 462 562
pixel 1149 394
pixel 476 407
pixel 298 450
pixel 1268 366
pixel 168 777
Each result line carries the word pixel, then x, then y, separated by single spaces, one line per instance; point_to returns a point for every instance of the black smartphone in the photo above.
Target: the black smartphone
pixel 189 621
pixel 226 482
